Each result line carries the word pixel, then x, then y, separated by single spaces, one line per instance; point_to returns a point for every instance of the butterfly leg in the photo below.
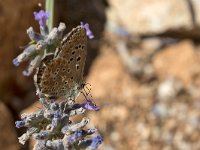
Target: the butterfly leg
pixel 70 100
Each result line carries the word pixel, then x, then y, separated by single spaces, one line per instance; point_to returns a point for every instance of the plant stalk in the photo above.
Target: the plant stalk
pixel 49 6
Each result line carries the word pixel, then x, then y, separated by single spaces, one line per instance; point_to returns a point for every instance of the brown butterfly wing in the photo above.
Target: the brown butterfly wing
pixel 38 77
pixel 53 83
pixel 62 76
pixel 75 46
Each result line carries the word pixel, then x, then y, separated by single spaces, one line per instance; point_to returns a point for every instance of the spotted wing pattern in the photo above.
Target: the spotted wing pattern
pixel 62 75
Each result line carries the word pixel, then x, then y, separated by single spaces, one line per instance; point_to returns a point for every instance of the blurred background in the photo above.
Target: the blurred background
pixel 143 65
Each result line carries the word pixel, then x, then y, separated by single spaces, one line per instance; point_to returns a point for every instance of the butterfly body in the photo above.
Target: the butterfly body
pixel 61 74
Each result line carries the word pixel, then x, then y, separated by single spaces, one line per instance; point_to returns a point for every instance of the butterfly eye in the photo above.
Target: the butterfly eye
pixel 82 47
pixel 72 78
pixel 76 47
pixel 73 52
pixel 79 46
pixel 71 59
pixel 66 82
pixel 68 70
pixel 63 69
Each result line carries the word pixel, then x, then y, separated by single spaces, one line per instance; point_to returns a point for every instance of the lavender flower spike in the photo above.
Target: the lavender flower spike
pixel 41 17
pixel 88 31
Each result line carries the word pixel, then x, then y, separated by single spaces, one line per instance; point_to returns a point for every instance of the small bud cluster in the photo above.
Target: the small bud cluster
pixel 41 43
pixel 52 128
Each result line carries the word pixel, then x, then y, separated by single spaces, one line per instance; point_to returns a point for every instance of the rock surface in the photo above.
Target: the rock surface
pixel 150 17
pixel 8 136
pixel 133 116
pixel 15 18
pixel 181 60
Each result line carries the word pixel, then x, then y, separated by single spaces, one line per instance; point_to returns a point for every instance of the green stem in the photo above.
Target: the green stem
pixel 49 6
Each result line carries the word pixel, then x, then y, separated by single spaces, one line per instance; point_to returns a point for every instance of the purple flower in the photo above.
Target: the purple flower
pixel 96 141
pixel 88 31
pixel 54 106
pixel 19 124
pixel 92 143
pixel 76 136
pixel 41 17
pixel 90 105
pixel 42 135
pixel 57 114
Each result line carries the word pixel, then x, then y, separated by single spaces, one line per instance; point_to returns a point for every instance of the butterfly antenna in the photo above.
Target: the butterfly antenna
pixel 86 90
pixel 85 95
pixel 89 89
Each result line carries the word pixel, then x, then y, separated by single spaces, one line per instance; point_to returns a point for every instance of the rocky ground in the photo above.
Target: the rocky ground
pixel 144 68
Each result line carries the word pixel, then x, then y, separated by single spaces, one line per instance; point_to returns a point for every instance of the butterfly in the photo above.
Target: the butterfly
pixel 61 74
